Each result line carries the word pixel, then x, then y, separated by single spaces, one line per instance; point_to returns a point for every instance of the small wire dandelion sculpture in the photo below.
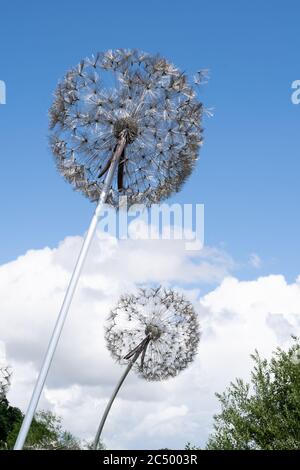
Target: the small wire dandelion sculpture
pixel 160 322
pixel 5 376
pixel 160 327
pixel 123 123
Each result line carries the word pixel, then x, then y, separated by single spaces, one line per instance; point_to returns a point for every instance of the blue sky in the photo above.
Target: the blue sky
pixel 247 178
pixel 248 171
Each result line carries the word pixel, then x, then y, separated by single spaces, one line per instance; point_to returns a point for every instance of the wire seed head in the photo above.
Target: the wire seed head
pixel 167 319
pixel 131 94
pixel 5 376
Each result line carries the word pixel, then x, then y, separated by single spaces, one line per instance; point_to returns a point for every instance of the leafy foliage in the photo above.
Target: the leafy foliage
pixel 265 414
pixel 46 432
pixel 9 416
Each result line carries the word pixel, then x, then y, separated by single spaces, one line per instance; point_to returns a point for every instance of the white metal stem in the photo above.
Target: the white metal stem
pixel 112 398
pixel 67 300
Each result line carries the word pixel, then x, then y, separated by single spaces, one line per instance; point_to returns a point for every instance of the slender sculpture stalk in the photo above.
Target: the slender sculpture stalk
pixel 68 298
pixel 138 350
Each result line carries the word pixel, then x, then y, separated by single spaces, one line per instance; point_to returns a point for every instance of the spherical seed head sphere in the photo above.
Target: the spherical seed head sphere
pixel 129 94
pixel 170 322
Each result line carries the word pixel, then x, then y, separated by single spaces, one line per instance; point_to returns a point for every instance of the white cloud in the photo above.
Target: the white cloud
pixel 236 318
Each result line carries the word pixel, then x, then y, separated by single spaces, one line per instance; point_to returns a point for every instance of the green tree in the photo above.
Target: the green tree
pixel 9 416
pixel 265 414
pixel 90 445
pixel 45 433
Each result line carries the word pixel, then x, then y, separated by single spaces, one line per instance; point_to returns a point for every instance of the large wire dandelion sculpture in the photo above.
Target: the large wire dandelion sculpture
pixel 157 331
pixel 151 113
pixel 123 123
